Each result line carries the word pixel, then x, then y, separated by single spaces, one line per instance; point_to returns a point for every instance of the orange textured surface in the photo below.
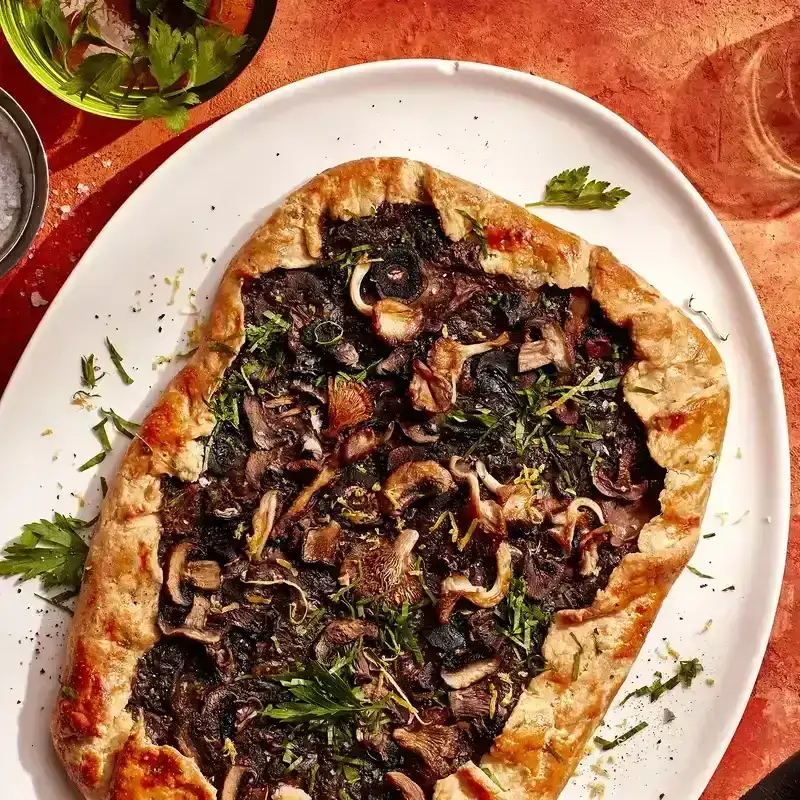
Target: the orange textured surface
pixel 715 84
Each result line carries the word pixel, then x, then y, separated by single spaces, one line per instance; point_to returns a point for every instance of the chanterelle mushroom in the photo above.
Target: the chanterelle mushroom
pixel 564 524
pixel 517 500
pixel 263 522
pixel 411 482
pixel 349 404
pixel 436 745
pixel 383 570
pixel 320 544
pixel 342 631
pixel 457 586
pixel 445 362
pixel 484 515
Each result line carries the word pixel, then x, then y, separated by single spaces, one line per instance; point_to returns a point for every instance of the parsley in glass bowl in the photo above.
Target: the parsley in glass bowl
pixel 135 59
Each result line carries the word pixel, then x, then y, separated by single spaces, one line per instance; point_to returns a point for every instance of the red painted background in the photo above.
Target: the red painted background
pixel 714 83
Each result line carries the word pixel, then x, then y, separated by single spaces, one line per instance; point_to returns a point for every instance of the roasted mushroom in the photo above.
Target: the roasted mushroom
pixel 203 575
pixel 517 500
pixel 358 505
pixel 263 522
pixel 341 631
pixel 286 792
pixel 349 404
pixel 194 626
pixel 437 745
pixel 361 443
pixel 395 322
pixel 320 544
pixel 472 673
pixel 178 557
pixel 411 482
pixel 356 279
pixel 485 516
pixel 421 434
pixel 399 275
pixel 233 782
pixel 445 362
pixel 474 702
pixel 564 524
pixel 384 570
pixel 587 548
pixel 404 785
pixel 457 586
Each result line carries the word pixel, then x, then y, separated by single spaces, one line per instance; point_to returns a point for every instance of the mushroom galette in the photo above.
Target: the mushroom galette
pixel 400 527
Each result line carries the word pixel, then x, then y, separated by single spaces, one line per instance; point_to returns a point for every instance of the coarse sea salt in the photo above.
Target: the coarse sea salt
pixel 10 192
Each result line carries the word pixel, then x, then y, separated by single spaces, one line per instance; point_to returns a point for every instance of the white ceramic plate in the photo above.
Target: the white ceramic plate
pixel 508 132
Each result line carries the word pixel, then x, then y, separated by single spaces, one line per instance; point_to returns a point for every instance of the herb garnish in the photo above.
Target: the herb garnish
pixel 520 618
pixel 51 551
pixel 89 370
pixel 573 189
pixel 99 431
pixel 477 231
pixel 123 425
pixel 176 61
pixel 700 313
pixel 116 359
pixel 398 631
pixel 319 695
pixel 605 744
pixel 687 672
pixel 699 574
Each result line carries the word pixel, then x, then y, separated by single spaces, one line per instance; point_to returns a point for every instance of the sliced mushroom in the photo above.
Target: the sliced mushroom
pixel 263 523
pixel 395 322
pixel 472 673
pixel 361 443
pixel 517 501
pixel 257 464
pixel 176 565
pixel 472 703
pixel 411 482
pixel 384 570
pixel 342 631
pixel 421 434
pixel 320 544
pixel 399 275
pixel 303 500
pixel 603 483
pixel 356 279
pixel 564 528
pixel 185 743
pixel 436 745
pixel 203 575
pixel 445 362
pixel 486 515
pixel 263 432
pixel 457 586
pixel 587 547
pixel 533 355
pixel 396 362
pixel 233 782
pixel 404 785
pixel 577 320
pixel 349 404
pixel 194 626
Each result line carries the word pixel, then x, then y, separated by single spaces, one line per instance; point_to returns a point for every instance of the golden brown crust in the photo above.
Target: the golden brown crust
pixel 684 408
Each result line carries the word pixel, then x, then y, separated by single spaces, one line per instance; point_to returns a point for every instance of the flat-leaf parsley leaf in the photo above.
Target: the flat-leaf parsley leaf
pixel 573 189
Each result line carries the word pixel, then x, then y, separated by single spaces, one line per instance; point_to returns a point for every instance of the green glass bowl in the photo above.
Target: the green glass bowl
pixel 52 76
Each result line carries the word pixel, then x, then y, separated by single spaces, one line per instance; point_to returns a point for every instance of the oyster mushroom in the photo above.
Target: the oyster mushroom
pixel 564 523
pixel 472 673
pixel 200 574
pixel 194 626
pixel 384 570
pixel 349 404
pixel 395 322
pixel 437 745
pixel 484 515
pixel 411 482
pixel 443 369
pixel 404 785
pixel 263 523
pixel 320 544
pixel 457 586
pixel 517 501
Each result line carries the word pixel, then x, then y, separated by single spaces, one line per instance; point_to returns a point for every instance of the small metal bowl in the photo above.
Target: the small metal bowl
pixel 17 128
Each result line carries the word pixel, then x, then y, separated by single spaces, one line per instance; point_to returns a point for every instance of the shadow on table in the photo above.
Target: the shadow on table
pixel 60 251
pixel 735 128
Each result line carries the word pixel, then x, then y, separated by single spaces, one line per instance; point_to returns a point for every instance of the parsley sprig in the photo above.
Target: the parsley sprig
pixel 573 189
pixel 176 61
pixel 52 551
